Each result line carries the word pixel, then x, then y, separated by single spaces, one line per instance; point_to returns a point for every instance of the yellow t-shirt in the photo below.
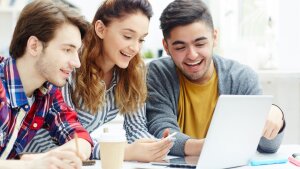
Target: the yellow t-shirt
pixel 196 105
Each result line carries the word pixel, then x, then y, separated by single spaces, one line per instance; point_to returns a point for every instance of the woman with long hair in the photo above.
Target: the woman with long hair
pixel 111 79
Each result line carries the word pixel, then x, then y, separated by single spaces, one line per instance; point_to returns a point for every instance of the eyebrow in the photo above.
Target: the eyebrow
pixel 133 31
pixel 178 42
pixel 69 45
pixel 200 39
pixel 128 29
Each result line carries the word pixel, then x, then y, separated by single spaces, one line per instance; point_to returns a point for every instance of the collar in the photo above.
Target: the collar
pixel 15 88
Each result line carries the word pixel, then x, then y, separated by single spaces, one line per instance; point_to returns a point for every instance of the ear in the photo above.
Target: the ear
pixel 166 47
pixel 100 29
pixel 215 36
pixel 34 46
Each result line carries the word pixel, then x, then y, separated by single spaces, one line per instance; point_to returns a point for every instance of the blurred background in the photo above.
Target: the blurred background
pixel 264 34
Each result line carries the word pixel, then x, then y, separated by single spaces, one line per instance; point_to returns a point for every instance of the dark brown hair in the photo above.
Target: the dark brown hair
pixel 184 12
pixel 41 18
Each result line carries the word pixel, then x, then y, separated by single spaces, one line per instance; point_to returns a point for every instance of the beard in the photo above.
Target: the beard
pixel 201 75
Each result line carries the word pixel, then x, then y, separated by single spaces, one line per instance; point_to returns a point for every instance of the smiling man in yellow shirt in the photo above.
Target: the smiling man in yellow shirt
pixel 183 89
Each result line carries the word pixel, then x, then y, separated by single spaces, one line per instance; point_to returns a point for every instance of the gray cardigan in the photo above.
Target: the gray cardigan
pixel 163 90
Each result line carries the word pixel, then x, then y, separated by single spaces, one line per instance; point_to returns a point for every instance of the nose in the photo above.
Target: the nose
pixel 75 62
pixel 135 46
pixel 192 53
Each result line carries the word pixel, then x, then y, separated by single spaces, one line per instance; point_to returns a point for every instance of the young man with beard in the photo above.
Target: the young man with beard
pixel 44 52
pixel 184 88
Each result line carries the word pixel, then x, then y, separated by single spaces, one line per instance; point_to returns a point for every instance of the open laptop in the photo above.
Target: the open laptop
pixel 234 133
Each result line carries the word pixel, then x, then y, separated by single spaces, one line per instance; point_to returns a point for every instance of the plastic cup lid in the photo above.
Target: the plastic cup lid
pixel 113 135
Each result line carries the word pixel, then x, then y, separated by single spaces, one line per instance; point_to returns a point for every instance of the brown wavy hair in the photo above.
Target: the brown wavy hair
pixel 131 90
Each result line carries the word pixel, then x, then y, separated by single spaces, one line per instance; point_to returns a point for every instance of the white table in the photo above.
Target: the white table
pixel 285 150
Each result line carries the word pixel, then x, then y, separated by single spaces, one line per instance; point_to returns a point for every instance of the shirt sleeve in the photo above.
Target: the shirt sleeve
pixel 85 118
pixel 135 124
pixel 63 121
pixel 161 106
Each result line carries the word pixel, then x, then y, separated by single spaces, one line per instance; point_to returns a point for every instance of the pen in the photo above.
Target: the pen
pixel 84 163
pixel 76 144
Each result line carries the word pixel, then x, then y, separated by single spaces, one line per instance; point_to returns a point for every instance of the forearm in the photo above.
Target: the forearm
pixel 13 164
pixel 84 147
pixel 135 124
pixel 193 147
pixel 128 154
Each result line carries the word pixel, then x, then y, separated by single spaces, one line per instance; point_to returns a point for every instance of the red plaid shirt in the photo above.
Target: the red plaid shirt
pixel 47 111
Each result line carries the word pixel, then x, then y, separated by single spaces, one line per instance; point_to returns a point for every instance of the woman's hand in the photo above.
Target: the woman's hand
pixel 147 150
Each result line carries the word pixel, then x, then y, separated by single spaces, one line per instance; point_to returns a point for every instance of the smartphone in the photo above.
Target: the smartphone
pixel 178 162
pixel 171 136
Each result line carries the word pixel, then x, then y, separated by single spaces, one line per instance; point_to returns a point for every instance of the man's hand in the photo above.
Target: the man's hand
pixel 54 159
pixel 274 123
pixel 85 147
pixel 147 150
pixel 193 147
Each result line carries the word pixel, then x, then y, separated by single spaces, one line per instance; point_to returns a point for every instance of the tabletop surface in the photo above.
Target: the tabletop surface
pixel 284 151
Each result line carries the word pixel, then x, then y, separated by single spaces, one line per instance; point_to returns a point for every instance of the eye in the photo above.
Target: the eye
pixel 68 50
pixel 127 37
pixel 142 40
pixel 200 45
pixel 179 48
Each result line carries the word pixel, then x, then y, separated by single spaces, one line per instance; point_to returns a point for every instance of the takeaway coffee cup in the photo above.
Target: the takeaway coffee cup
pixel 112 148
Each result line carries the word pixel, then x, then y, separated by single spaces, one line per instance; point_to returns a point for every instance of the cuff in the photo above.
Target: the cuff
pixel 179 144
pixel 84 135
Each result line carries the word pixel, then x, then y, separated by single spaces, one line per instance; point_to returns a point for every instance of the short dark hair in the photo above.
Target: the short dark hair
pixel 41 18
pixel 184 12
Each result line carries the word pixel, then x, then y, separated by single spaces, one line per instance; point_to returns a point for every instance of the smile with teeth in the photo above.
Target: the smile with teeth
pixel 194 63
pixel 125 54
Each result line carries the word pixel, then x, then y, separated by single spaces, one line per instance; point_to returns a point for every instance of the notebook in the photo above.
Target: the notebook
pixel 234 133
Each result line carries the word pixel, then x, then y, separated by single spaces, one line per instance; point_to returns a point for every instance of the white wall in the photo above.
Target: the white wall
pixel 289 34
pixel 88 8
pixel 288 25
pixel 154 39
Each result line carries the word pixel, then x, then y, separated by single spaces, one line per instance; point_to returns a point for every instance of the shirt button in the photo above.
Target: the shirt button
pixel 26 106
pixel 35 125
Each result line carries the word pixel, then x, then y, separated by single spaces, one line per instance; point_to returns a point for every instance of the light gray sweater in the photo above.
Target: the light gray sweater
pixel 163 89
